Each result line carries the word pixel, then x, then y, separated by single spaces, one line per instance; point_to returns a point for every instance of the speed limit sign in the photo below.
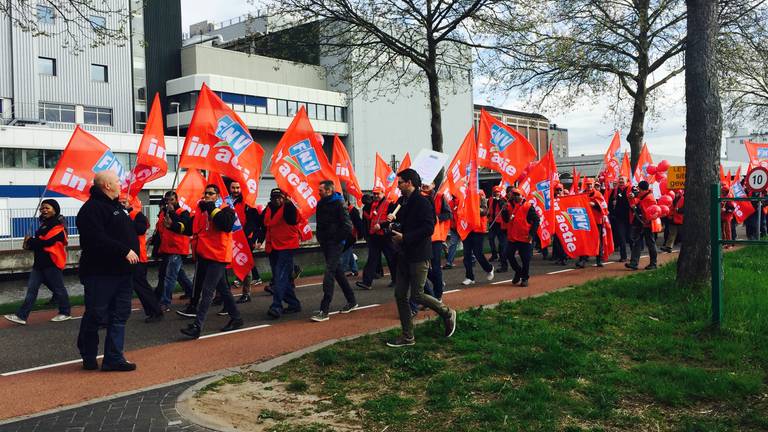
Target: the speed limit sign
pixel 757 179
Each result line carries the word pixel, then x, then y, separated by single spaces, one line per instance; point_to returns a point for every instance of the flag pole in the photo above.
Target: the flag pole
pixel 178 150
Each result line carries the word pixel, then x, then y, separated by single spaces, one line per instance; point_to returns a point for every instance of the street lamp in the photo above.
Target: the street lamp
pixel 178 148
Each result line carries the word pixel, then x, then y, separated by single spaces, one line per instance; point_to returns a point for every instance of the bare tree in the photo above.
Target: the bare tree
pixel 702 139
pixel 77 23
pixel 382 46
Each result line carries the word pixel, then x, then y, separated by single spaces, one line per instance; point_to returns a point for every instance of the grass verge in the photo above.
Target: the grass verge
pixel 614 354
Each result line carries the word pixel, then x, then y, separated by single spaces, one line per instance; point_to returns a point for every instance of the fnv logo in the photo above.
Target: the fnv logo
pixel 234 134
pixel 501 138
pixel 579 218
pixel 542 188
pixel 762 152
pixel 108 161
pixel 303 156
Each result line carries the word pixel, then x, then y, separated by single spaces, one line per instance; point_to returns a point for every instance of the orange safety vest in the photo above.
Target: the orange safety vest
pixel 58 250
pixel 280 235
pixel 441 227
pixel 171 243
pixel 142 238
pixel 518 228
pixel 377 215
pixel 677 217
pixel 211 243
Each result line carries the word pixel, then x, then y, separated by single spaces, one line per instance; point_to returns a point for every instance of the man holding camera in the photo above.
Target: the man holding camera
pixel 379 242
pixel 412 231
pixel 174 246
pixel 641 225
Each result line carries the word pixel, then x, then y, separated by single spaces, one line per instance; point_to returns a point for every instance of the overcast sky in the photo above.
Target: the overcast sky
pixel 589 129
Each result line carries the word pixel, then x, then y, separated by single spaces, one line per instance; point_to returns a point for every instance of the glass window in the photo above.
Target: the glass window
pixel 339 116
pixel 46 66
pixel 311 110
pixel 142 93
pixel 282 107
pixel 261 109
pixel 105 116
pixel 329 113
pixel 11 158
pixel 98 22
pixel 131 160
pixel 256 101
pixel 90 116
pixel 52 113
pixel 232 98
pixel 171 162
pixel 321 112
pixel 99 73
pixel 67 113
pixel 292 108
pixel 45 15
pixel 271 106
pixel 34 158
pixel 52 158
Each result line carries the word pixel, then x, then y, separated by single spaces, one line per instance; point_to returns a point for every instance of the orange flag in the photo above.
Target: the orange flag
pixel 626 167
pixel 299 164
pixel 344 171
pixel 758 153
pixel 242 260
pixel 540 177
pixel 406 163
pixel 218 140
pixel 641 171
pixel 509 151
pixel 384 178
pixel 463 185
pixel 576 226
pixel 81 160
pixel 575 184
pixel 190 190
pixel 611 160
pixel 151 161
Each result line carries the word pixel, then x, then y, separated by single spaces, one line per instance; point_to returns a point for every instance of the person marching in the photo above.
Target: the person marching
pixel 378 241
pixel 281 240
pixel 416 223
pixel 108 242
pixel 598 207
pixel 172 224
pixel 248 217
pixel 334 229
pixel 497 238
pixel 348 259
pixel 212 245
pixel 642 231
pixel 149 302
pixel 444 216
pixel 49 244
pixel 675 221
pixel 522 223
pixel 473 246
pixel 618 212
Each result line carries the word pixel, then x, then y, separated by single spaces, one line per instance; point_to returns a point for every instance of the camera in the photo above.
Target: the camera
pixel 393 226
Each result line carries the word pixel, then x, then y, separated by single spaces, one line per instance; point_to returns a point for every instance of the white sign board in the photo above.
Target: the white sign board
pixel 757 179
pixel 428 164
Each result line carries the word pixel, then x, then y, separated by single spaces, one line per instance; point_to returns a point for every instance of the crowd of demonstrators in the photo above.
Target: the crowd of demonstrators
pixel 522 223
pixel 172 246
pixel 473 247
pixel 379 239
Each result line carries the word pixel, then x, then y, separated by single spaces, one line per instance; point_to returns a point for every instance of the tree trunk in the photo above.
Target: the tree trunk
pixel 702 140
pixel 436 122
pixel 637 129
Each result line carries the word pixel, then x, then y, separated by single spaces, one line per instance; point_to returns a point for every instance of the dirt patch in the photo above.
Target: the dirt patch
pixel 255 406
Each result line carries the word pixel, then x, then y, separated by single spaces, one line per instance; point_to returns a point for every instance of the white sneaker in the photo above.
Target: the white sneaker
pixel 14 318
pixel 468 282
pixel 61 317
pixel 490 275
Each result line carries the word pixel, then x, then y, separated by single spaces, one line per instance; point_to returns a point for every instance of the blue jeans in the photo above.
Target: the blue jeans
pixel 281 262
pixel 348 261
pixel 107 303
pixel 174 272
pixel 453 243
pixel 53 279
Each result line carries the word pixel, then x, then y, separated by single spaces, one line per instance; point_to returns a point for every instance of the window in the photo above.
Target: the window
pixel 46 66
pixel 321 112
pixel 312 111
pixel 11 158
pixel 271 106
pixel 45 15
pixel 329 113
pixel 292 108
pixel 97 116
pixel 33 158
pixel 142 93
pixel 98 22
pixel 282 107
pixel 51 158
pixel 99 73
pixel 339 114
pixel 54 112
pixel 171 159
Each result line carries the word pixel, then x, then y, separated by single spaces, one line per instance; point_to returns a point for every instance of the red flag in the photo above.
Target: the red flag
pixel 463 185
pixel 737 177
pixel 406 163
pixel 190 190
pixel 218 140
pixel 574 186
pixel 299 165
pixel 641 171
pixel 81 160
pixel 510 152
pixel 626 167
pixel 611 160
pixel 384 178
pixel 344 170
pixel 242 259
pixel 576 228
pixel 540 178
pixel 722 176
pixel 608 245
pixel 151 162
pixel 758 153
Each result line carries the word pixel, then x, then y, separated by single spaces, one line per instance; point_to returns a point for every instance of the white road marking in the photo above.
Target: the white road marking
pixel 501 282
pixel 560 271
pixel 44 367
pixel 357 309
pixel 609 262
pixel 213 335
pixel 451 291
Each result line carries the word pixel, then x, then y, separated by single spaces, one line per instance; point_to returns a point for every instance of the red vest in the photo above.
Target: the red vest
pixel 441 227
pixel 677 217
pixel 209 242
pixel 171 243
pixel 377 215
pixel 518 228
pixel 280 235
pixel 58 250
pixel 142 238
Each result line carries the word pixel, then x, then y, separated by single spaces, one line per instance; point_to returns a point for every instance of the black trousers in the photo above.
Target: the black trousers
pixel 525 250
pixel 378 245
pixel 210 279
pixel 160 287
pixel 334 274
pixel 621 235
pixel 642 235
pixel 146 294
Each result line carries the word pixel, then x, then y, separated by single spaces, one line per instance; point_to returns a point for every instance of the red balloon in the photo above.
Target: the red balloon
pixel 663 166
pixel 650 169
pixel 660 176
pixel 664 210
pixel 665 201
pixel 671 194
pixel 653 211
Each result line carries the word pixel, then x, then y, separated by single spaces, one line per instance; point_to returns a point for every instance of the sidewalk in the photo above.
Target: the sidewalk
pixel 65 385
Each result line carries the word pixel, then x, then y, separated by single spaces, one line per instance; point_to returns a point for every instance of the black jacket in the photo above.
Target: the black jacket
pixel 107 234
pixel 43 258
pixel 332 218
pixel 417 223
pixel 618 205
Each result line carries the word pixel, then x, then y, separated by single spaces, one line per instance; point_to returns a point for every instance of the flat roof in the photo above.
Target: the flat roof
pixel 494 109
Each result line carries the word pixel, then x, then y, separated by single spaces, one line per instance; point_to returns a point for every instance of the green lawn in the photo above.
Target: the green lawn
pixel 615 354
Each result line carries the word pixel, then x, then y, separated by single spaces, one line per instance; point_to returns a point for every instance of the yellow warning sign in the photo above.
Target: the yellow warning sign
pixel 676 177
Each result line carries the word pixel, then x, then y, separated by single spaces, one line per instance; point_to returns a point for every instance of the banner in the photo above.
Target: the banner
pixel 508 150
pixel 81 160
pixel 463 184
pixel 299 165
pixel 575 226
pixel 743 209
pixel 219 141
pixel 641 171
pixel 190 190
pixel 758 153
pixel 541 177
pixel 342 164
pixel 384 178
pixel 151 161
pixel 242 259
pixel 612 159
